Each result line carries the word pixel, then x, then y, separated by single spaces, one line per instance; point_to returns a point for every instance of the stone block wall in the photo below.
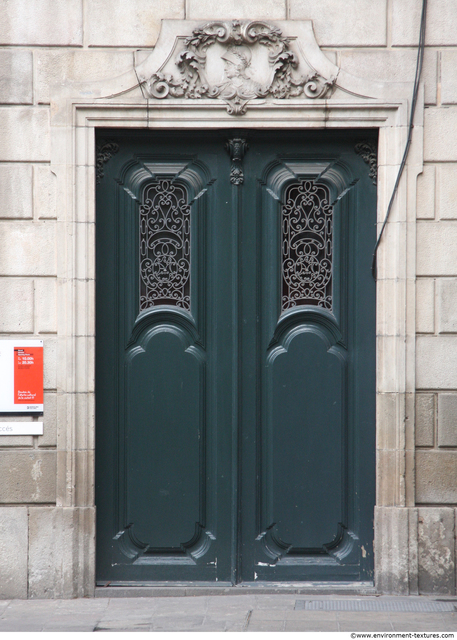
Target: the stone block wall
pixel 436 316
pixel 44 43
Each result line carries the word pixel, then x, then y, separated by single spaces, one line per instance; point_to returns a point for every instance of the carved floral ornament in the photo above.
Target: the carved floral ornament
pixel 236 62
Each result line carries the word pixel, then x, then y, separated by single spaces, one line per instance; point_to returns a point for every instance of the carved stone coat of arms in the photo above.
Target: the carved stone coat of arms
pixel 236 62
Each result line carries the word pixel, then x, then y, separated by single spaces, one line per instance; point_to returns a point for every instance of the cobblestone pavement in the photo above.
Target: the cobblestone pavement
pixel 248 612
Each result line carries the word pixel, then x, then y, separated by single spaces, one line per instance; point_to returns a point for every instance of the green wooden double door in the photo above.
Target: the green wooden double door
pixel 235 357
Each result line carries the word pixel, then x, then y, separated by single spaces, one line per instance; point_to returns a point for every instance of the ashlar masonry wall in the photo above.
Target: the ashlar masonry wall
pixel 48 43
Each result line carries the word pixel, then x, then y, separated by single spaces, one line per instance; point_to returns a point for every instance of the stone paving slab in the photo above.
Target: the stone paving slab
pixel 256 613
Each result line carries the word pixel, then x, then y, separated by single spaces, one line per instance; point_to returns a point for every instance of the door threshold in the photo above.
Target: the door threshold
pixel 157 590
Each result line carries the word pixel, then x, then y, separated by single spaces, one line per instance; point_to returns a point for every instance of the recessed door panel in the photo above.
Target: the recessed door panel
pixel 235 358
pixel 307 434
pixel 165 474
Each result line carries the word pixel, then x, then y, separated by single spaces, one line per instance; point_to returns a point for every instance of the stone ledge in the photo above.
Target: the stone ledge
pixel 333 588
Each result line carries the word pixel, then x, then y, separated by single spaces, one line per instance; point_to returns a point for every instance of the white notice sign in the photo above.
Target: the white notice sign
pixel 21 428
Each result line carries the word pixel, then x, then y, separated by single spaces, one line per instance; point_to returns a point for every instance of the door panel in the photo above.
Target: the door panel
pixel 307 427
pixel 235 359
pixel 158 418
pixel 164 419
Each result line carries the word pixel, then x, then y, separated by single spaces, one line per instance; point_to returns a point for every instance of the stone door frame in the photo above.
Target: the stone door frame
pixel 76 111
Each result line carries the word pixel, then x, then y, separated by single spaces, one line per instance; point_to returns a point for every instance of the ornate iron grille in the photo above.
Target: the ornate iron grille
pixel 307 246
pixel 165 246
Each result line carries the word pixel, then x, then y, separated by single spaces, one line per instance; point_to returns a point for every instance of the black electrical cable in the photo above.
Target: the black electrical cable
pixel 420 60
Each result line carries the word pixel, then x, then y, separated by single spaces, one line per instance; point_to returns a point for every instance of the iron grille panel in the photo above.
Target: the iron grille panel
pixel 307 246
pixel 165 246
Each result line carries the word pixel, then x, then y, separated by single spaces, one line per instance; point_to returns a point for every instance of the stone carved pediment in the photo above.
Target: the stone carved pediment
pixel 236 62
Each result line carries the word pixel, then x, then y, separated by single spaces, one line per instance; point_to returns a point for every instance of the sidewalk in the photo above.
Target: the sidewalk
pixel 283 612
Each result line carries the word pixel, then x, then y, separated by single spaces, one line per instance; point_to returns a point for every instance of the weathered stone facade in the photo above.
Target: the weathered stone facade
pixel 58 69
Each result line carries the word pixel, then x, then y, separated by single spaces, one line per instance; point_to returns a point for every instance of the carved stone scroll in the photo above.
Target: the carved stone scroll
pixel 368 152
pixel 236 62
pixel 105 150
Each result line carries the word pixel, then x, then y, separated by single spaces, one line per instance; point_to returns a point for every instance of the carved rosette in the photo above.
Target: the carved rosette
pixel 238 87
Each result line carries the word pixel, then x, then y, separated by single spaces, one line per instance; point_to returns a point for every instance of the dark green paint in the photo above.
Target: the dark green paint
pixel 234 443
